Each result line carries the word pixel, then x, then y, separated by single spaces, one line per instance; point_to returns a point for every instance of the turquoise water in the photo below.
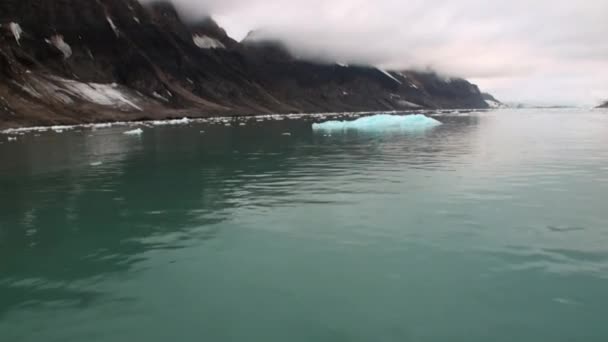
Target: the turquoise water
pixel 490 227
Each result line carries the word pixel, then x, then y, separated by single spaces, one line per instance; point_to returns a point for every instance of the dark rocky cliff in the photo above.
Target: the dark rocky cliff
pixel 75 61
pixel 605 105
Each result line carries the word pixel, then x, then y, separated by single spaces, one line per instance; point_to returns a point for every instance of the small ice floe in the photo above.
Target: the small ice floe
pixel 11 139
pixel 381 122
pixel 61 129
pixel 97 163
pixel 243 124
pixel 205 42
pixel 183 121
pixel 136 19
pixel 566 301
pixel 286 134
pixel 138 131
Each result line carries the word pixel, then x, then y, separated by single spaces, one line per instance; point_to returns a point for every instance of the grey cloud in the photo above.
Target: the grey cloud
pixel 533 51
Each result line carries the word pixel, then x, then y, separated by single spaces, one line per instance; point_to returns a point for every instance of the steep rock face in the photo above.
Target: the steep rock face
pixel 605 105
pixel 74 61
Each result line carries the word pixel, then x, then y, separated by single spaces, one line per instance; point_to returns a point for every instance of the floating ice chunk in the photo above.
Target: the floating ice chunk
pixel 287 134
pixel 11 139
pixel 138 131
pixel 381 122
pixel 205 42
pixel 183 121
pixel 98 163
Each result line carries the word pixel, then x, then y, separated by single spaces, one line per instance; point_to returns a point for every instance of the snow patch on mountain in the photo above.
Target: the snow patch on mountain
pixel 206 42
pixel 494 104
pixel 58 42
pixel 16 30
pixel 389 75
pixel 113 26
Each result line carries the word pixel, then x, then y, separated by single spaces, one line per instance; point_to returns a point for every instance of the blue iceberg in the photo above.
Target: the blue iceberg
pixel 381 122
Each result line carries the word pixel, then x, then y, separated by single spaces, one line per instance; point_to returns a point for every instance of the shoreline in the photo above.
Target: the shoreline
pixel 223 119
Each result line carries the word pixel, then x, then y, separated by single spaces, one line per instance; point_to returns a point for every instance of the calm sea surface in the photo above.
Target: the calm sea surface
pixel 490 227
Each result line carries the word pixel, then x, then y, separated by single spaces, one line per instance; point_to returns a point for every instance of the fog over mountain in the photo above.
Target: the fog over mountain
pixel 545 51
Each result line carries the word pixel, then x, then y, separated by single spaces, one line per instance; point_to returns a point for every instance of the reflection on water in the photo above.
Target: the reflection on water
pixel 492 226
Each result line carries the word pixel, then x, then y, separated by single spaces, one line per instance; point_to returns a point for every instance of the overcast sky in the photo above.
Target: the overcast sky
pixel 536 51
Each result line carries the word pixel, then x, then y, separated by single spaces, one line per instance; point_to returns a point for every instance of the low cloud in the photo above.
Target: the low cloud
pixel 544 51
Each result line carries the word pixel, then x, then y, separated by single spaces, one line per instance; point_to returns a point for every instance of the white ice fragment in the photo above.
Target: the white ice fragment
pixel 113 26
pixel 16 30
pixel 287 134
pixel 183 121
pixel 138 131
pixel 11 139
pixel 136 19
pixel 98 163
pixel 205 42
pixel 344 65
pixel 58 42
pixel 381 122
pixel 60 128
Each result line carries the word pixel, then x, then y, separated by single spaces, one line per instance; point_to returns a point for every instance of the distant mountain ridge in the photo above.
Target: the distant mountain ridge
pixel 80 61
pixel 604 105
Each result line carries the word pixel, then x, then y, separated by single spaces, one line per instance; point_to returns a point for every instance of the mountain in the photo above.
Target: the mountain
pixel 80 61
pixel 492 101
pixel 605 105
